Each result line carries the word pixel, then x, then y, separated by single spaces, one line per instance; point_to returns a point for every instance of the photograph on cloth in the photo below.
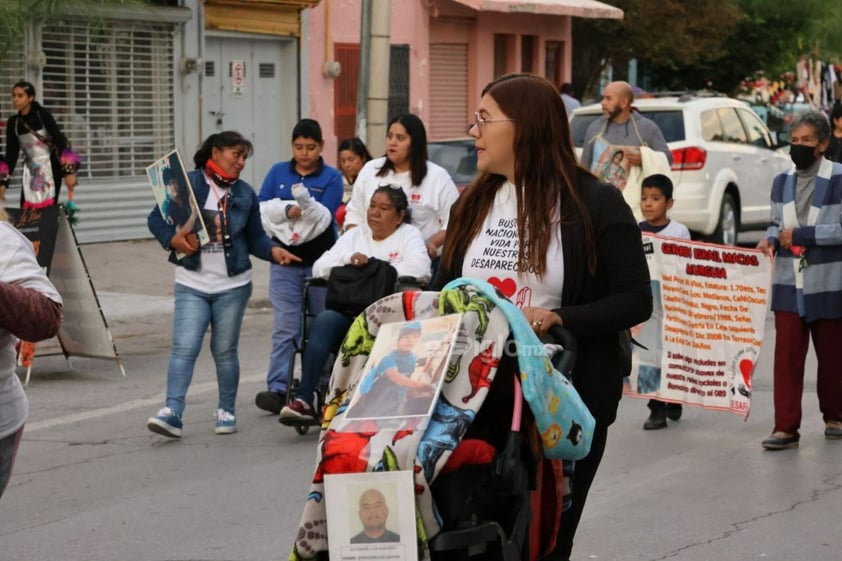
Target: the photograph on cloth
pixel 175 197
pixel 613 165
pixel 371 512
pixel 405 370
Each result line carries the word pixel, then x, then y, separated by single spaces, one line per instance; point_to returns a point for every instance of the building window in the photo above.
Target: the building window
pixel 110 87
pixel 527 53
pixel 502 49
pixel 553 61
pixel 345 86
pixel 398 80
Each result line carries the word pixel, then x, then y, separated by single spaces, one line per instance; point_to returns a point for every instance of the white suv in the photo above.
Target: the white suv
pixel 724 160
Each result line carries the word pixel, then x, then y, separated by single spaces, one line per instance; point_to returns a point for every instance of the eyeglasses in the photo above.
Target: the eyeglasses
pixel 480 122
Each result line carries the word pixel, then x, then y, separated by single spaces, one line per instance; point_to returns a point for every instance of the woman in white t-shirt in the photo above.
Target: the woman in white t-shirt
pixel 428 187
pixel 388 237
pixel 212 282
pixel 30 309
pixel 561 245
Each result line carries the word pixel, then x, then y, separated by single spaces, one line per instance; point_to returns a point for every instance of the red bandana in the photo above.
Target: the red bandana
pixel 219 177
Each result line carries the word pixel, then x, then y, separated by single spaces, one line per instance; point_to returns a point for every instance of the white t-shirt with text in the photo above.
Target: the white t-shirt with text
pixel 212 275
pixel 493 256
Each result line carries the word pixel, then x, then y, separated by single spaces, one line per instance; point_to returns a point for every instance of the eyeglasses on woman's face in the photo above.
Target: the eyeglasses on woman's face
pixel 480 122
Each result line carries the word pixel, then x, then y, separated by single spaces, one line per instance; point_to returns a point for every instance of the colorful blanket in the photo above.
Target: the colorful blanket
pixel 389 444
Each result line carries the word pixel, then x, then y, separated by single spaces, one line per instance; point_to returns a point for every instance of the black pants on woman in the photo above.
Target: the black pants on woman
pixel 582 479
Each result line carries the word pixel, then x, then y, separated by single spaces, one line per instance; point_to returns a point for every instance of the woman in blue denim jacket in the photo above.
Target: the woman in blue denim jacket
pixel 212 283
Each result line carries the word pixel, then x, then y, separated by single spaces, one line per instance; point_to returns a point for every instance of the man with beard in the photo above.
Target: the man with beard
pixel 621 126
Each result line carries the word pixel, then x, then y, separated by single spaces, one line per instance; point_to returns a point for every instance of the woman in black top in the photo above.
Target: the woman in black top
pixel 34 131
pixel 575 257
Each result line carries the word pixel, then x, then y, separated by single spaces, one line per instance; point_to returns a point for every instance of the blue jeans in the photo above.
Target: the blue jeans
pixel 194 312
pixel 327 331
pixel 286 288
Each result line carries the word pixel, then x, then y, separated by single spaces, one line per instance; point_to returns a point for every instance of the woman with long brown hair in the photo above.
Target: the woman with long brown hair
pixel 562 246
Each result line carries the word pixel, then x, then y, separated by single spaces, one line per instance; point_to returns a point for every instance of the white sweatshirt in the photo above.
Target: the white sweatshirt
pixel 429 202
pixel 405 250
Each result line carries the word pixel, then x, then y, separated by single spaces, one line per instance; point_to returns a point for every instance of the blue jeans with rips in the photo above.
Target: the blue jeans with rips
pixel 286 288
pixel 327 331
pixel 194 312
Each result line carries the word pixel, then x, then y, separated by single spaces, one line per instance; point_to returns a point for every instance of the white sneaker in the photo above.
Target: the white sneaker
pixel 226 422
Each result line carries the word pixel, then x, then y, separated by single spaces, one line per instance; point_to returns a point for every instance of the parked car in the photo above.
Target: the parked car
pixel 724 160
pixel 458 157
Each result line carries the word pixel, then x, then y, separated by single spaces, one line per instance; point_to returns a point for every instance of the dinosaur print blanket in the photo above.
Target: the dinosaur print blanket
pixel 390 444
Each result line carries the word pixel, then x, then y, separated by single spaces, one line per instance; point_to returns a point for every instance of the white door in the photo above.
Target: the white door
pixel 251 87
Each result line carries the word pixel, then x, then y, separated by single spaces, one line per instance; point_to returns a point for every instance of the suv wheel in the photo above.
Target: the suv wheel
pixel 729 222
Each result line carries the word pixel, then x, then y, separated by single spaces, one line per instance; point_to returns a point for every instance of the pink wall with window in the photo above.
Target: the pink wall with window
pixel 414 24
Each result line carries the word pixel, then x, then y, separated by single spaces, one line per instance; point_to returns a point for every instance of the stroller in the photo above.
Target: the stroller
pixel 483 484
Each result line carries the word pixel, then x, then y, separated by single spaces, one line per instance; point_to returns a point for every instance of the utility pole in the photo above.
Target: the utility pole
pixel 378 77
pixel 361 125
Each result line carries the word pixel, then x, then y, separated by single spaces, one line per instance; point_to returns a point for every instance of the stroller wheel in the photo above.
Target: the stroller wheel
pixel 302 429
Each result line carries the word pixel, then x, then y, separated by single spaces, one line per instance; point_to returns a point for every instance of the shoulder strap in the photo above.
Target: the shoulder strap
pixel 36 134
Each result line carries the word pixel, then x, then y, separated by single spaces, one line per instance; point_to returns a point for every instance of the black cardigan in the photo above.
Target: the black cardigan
pixel 598 308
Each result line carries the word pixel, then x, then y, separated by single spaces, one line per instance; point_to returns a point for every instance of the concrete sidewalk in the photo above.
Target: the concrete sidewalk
pixel 134 278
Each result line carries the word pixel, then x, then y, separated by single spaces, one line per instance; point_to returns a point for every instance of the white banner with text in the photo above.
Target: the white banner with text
pixel 704 336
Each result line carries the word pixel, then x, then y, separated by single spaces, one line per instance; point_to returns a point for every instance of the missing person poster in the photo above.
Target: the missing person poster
pixel 405 369
pixel 371 516
pixel 707 325
pixel 175 197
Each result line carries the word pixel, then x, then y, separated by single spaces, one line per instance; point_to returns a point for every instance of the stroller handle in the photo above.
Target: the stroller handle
pixel 566 360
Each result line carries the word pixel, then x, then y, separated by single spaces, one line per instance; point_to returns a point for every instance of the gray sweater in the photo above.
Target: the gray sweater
pixel 624 134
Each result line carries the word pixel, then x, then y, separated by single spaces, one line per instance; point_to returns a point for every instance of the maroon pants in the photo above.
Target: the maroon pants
pixel 791 342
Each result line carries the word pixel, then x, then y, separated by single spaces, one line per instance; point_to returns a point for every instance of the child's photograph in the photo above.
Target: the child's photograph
pixel 405 369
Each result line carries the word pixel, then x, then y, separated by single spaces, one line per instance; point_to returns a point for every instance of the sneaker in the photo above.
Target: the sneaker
pixel 166 422
pixel 226 422
pixel 674 411
pixel 657 420
pixel 781 441
pixel 833 430
pixel 298 409
pixel 271 401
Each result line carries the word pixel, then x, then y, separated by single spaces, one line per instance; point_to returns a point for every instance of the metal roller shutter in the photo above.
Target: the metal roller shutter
pixel 12 69
pixel 110 87
pixel 448 90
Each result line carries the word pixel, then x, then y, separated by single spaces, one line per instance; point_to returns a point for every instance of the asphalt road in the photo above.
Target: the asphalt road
pixel 91 483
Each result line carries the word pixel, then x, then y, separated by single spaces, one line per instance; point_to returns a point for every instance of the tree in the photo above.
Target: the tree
pixel 17 15
pixel 667 33
pixel 705 43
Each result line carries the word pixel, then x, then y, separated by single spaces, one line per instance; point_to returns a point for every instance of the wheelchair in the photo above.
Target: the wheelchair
pixel 306 318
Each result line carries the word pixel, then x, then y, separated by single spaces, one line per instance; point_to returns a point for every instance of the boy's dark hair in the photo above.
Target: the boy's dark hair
pixel 836 112
pixel 307 128
pixel 567 88
pixel 659 181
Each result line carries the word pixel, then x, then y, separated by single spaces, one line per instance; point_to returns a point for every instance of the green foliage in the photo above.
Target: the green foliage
pixel 17 15
pixel 683 44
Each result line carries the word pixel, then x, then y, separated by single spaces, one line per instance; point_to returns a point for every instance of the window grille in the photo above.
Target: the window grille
pixel 110 87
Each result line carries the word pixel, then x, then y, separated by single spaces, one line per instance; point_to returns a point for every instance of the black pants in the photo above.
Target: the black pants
pixel 655 405
pixel 582 479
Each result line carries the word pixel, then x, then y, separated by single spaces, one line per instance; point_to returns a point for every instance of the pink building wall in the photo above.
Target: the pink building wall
pixel 415 25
